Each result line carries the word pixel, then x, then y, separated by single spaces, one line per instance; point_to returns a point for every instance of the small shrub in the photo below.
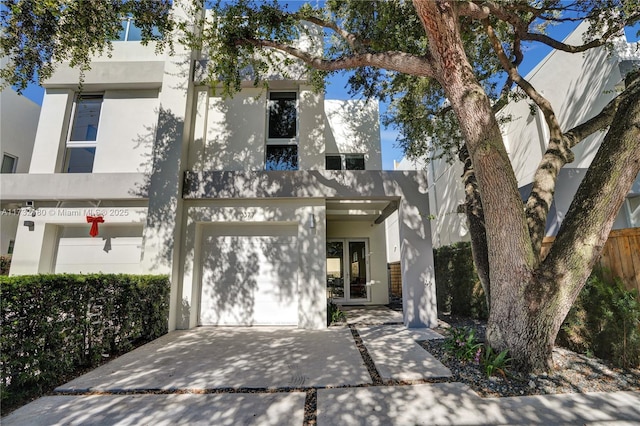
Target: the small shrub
pixel 461 343
pixel 334 314
pixel 604 321
pixel 493 362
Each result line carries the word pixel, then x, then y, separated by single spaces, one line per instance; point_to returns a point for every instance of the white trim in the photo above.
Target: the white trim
pixel 72 121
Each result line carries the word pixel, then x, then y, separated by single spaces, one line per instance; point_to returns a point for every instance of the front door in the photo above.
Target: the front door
pixel 348 270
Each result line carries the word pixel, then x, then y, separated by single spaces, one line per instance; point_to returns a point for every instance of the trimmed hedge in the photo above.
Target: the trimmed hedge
pixel 458 289
pixel 604 321
pixel 54 325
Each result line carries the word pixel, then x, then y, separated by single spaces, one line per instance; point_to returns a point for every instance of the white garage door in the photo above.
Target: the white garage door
pixel 116 250
pixel 249 280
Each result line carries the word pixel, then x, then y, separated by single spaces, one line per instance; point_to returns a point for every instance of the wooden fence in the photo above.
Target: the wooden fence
pixel 395 279
pixel 620 256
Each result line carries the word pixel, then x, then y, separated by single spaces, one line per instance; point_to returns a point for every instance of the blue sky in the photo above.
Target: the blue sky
pixel 336 86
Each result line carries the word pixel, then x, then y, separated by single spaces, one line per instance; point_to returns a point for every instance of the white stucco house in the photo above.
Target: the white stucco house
pixel 18 124
pixel 259 207
pixel 578 86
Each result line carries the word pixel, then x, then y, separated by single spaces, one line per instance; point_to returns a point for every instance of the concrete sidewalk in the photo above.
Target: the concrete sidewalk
pixel 426 404
pixel 456 404
pixel 174 409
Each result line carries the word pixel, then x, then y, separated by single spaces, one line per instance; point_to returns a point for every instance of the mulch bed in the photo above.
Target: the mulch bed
pixel 574 372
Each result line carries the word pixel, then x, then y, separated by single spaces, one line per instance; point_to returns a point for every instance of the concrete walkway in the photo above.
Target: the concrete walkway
pixel 266 376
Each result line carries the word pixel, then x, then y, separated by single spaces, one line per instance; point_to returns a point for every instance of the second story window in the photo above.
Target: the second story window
pixel 283 115
pixel 345 162
pixel 9 163
pixel 81 147
pixel 130 32
pixel 282 132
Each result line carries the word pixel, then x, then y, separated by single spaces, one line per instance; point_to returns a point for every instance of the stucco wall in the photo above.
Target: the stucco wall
pixel 36 246
pixel 126 131
pixel 578 87
pixel 18 124
pixel 130 65
pixel 354 128
pixel 230 134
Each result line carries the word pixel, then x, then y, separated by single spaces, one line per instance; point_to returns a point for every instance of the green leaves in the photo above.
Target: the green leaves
pixel 605 321
pixel 462 344
pixel 494 362
pixel 54 324
pixel 37 35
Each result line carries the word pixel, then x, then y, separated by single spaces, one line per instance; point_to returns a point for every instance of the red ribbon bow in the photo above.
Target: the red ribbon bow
pixel 94 221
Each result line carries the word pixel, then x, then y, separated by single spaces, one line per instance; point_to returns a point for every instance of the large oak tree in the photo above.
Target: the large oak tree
pixel 447 67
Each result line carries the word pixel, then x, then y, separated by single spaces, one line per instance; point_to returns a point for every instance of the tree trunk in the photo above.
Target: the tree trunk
pixel 475 221
pixel 509 247
pixel 559 278
pixel 529 300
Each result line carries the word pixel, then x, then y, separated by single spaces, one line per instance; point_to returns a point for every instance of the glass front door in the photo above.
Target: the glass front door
pixel 347 270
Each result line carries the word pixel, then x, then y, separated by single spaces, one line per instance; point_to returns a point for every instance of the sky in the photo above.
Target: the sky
pixel 336 86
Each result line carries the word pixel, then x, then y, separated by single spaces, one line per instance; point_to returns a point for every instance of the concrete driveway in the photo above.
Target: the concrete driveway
pixel 233 357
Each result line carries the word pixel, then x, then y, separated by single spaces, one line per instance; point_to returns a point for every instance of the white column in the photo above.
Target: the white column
pixel 416 258
pixel 163 234
pixel 312 278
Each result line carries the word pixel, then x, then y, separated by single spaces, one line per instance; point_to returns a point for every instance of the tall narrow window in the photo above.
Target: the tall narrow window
pixel 282 142
pixel 283 115
pixel 81 147
pixel 9 163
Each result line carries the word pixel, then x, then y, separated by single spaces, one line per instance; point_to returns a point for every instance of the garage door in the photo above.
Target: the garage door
pixel 116 250
pixel 249 280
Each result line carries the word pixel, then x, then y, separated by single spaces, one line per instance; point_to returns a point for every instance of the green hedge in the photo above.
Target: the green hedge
pixel 54 325
pixel 458 289
pixel 604 321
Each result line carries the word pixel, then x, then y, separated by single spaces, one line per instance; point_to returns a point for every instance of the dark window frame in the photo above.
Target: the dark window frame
pixel 344 161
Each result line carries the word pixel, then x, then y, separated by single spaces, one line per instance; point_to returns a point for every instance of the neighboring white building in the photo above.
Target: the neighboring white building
pixel 18 124
pixel 578 87
pixel 259 207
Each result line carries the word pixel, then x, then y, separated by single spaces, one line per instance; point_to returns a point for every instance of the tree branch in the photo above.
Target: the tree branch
pixel 514 75
pixel 473 10
pixel 546 174
pixel 391 60
pixel 522 28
